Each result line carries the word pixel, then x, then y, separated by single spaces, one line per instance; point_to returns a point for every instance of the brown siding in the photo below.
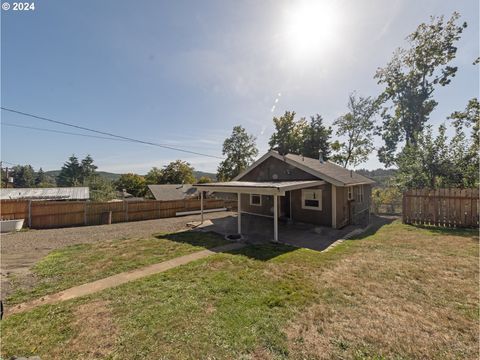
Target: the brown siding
pixel 266 171
pixel 342 206
pixel 319 217
pixel 265 209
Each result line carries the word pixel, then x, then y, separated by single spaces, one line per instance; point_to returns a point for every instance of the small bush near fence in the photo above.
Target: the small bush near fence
pixel 441 207
pixel 54 214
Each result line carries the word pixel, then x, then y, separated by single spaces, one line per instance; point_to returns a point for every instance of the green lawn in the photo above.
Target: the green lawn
pixel 401 293
pixel 79 264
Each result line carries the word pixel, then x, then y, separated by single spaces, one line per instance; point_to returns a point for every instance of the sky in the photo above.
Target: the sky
pixel 183 73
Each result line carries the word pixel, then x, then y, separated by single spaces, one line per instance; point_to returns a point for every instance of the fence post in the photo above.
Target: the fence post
pixel 30 214
pixel 126 210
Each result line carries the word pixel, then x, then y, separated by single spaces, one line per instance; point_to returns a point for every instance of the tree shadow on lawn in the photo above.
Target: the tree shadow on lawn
pixel 211 240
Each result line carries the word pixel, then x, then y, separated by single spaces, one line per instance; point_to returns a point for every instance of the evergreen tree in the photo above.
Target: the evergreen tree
pixel 71 173
pixel 316 137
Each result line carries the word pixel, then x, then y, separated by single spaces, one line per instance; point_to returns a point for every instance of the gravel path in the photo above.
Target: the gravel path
pixel 19 251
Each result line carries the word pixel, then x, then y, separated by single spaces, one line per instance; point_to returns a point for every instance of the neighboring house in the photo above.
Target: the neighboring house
pixel 60 193
pixel 299 189
pixel 174 192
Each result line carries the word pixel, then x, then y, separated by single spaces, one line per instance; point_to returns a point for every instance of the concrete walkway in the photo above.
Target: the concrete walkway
pixel 118 279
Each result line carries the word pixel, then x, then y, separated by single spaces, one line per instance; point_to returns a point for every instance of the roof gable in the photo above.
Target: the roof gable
pixel 326 170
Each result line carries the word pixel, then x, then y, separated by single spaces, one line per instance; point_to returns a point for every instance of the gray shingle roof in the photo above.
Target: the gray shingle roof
pixel 173 191
pixel 331 170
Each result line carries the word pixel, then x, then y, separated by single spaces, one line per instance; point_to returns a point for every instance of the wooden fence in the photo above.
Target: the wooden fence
pixel 441 207
pixel 55 214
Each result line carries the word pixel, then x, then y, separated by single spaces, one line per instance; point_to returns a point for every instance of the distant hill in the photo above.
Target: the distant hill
pixel 113 176
pixel 107 175
pixel 381 176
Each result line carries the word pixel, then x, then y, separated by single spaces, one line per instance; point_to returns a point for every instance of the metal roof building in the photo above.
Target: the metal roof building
pixel 61 193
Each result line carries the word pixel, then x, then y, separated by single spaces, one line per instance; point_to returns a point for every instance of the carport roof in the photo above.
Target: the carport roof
pixel 258 187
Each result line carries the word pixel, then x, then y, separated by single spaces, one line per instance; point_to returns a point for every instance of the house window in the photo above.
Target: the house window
pixel 350 193
pixel 360 194
pixel 255 200
pixel 312 199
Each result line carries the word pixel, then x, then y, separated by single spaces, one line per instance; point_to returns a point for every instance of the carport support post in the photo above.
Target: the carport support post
pixel 239 214
pixel 201 205
pixel 275 218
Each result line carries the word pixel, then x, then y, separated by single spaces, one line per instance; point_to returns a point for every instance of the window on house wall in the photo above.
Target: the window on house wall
pixel 360 193
pixel 255 200
pixel 312 199
pixel 350 193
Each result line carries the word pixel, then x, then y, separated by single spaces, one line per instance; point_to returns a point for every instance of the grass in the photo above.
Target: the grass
pixel 79 264
pixel 401 293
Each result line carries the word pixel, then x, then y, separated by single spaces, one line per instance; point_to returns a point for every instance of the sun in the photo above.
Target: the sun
pixel 311 27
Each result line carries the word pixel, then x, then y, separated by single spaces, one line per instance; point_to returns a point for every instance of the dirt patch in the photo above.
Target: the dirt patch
pixel 96 332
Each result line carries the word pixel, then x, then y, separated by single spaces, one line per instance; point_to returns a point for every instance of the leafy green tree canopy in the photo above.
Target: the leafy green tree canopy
pixel 132 183
pixel 316 138
pixel 357 128
pixel 154 176
pixel 240 151
pixel 410 80
pixel 178 172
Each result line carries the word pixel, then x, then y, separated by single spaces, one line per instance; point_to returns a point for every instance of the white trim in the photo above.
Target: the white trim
pixel 275 218
pixel 315 191
pixel 296 164
pixel 259 195
pixel 239 213
pixel 334 206
pixel 272 190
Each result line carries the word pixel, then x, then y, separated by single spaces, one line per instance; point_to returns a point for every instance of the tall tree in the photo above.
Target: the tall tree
pixel 288 135
pixel 87 169
pixel 240 151
pixel 316 137
pixel 154 176
pixel 23 176
pixel 132 183
pixel 357 127
pixel 410 80
pixel 70 173
pixel 178 172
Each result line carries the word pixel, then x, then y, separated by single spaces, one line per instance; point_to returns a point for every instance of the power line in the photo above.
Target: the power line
pixel 107 133
pixel 60 132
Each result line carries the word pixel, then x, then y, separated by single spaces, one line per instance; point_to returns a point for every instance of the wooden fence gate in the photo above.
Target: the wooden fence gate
pixel 441 207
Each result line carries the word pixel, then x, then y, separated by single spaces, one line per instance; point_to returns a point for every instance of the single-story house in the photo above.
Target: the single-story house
pixel 168 192
pixel 60 193
pixel 299 189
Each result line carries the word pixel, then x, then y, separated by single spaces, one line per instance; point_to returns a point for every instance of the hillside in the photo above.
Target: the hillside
pixel 114 176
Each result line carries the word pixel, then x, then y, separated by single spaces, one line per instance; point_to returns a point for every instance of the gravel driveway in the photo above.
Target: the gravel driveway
pixel 19 251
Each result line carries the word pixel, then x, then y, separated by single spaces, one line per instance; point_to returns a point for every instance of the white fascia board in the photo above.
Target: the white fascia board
pixel 243 190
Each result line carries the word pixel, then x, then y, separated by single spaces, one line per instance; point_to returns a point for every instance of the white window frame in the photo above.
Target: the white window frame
pixel 360 194
pixel 350 193
pixel 260 196
pixel 317 195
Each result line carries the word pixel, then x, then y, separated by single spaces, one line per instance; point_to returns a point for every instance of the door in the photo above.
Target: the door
pixel 285 205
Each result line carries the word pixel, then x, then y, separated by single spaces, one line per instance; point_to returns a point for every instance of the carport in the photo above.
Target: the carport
pixel 275 189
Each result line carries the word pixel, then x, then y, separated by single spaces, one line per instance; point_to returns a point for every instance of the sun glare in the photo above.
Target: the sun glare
pixel 311 26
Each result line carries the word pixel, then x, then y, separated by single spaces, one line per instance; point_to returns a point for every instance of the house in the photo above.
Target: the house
pixel 299 189
pixel 174 192
pixel 60 193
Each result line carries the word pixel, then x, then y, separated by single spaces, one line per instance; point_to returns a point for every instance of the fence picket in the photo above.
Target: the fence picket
pixel 441 207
